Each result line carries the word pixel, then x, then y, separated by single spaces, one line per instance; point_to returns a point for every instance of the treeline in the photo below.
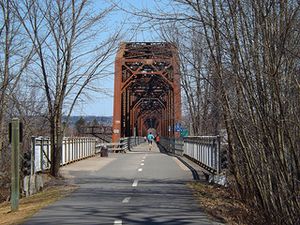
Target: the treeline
pixel 93 120
pixel 240 64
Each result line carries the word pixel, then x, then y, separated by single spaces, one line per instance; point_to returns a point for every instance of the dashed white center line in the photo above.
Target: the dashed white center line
pixel 126 200
pixel 142 164
pixel 143 160
pixel 135 183
pixel 140 170
pixel 119 222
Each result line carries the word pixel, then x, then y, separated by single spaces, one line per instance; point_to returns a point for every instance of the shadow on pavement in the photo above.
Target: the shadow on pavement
pixel 153 202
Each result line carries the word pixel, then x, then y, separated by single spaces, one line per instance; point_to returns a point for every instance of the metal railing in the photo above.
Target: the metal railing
pixel 73 149
pixel 203 150
pixel 172 145
pixel 126 143
pixel 132 141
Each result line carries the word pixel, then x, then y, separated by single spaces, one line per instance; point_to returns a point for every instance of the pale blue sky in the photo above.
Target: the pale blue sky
pixel 102 104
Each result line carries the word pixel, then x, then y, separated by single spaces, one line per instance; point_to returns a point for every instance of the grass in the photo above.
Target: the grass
pixel 30 205
pixel 222 206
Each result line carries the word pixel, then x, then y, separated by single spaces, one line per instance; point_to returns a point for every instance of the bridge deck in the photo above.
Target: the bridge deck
pixel 140 187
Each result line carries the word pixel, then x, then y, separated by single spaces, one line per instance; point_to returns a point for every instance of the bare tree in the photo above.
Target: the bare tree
pixel 71 54
pixel 252 59
pixel 196 71
pixel 15 56
pixel 255 72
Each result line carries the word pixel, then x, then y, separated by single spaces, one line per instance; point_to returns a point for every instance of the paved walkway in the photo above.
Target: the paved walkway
pixel 141 187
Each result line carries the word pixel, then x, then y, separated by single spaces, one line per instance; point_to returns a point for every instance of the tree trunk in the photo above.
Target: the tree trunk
pixel 56 147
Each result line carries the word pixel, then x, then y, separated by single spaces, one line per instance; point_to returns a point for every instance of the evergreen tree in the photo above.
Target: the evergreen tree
pixel 80 124
pixel 95 122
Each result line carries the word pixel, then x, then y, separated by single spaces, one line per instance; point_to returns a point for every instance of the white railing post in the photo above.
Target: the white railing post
pixel 33 144
pixel 41 152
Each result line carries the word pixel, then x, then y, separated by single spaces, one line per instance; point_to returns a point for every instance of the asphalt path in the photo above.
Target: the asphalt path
pixel 140 187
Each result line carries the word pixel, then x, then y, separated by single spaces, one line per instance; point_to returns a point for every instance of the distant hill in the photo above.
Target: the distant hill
pixel 105 120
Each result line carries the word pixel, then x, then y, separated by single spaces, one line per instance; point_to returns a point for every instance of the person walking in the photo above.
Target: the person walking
pixel 150 138
pixel 157 139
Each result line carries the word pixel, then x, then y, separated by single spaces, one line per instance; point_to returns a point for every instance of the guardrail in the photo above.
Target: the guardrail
pixel 124 144
pixel 172 145
pixel 203 150
pixel 132 141
pixel 73 149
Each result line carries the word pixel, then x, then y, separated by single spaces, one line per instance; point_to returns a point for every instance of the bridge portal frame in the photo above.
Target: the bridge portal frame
pixel 146 73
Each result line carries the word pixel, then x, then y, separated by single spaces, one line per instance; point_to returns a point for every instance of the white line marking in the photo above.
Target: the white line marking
pixel 126 200
pixel 140 169
pixel 135 183
pixel 119 222
pixel 180 164
pixel 142 164
pixel 143 160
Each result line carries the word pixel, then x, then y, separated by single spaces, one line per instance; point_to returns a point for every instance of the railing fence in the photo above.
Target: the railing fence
pixel 132 141
pixel 73 149
pixel 126 142
pixel 204 150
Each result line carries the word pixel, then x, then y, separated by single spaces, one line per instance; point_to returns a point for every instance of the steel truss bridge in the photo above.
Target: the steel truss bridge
pixel 147 89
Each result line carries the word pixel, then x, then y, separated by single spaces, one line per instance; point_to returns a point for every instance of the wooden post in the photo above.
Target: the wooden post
pixel 15 164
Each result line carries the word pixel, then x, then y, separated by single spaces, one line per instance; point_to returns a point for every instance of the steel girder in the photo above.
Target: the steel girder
pixel 146 89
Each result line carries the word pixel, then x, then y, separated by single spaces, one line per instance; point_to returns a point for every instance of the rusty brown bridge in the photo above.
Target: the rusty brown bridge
pixel 147 90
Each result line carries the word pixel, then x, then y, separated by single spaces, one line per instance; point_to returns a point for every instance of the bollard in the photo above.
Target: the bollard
pixel 15 164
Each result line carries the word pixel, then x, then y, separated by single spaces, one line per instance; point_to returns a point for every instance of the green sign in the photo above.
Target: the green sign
pixel 184 133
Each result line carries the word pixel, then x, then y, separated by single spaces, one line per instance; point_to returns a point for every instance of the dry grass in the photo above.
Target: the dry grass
pixel 222 205
pixel 30 205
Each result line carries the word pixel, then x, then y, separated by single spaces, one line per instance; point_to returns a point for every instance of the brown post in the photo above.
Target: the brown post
pixel 117 95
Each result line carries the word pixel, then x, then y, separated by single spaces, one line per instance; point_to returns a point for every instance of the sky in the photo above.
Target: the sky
pixel 99 104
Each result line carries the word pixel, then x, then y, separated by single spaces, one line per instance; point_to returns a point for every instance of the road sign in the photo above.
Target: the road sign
pixel 178 127
pixel 184 133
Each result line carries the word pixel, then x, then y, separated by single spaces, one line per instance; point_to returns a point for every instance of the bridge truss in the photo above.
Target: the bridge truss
pixel 147 89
